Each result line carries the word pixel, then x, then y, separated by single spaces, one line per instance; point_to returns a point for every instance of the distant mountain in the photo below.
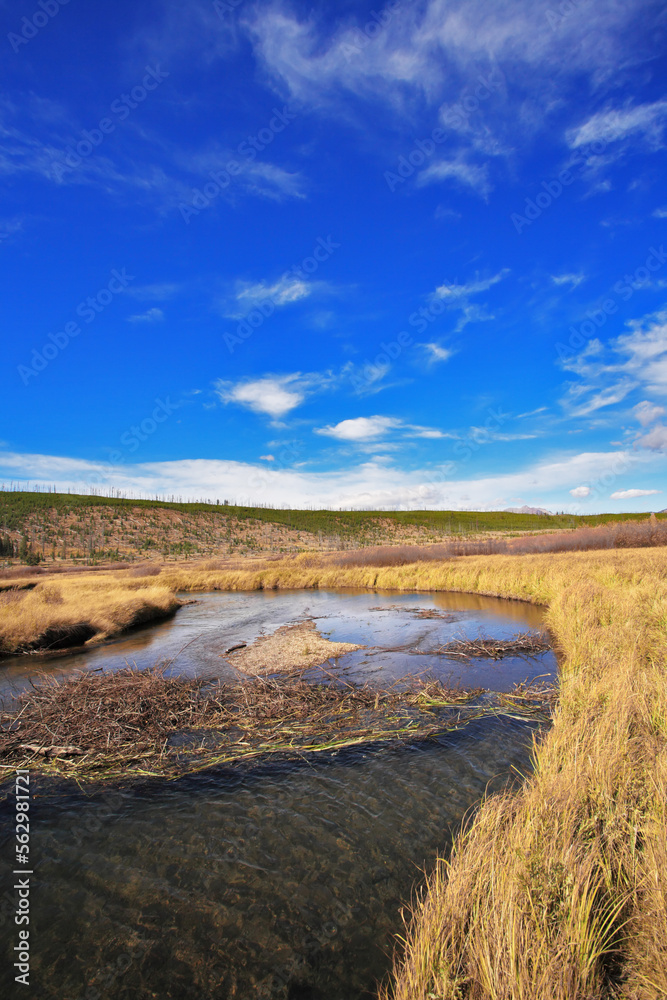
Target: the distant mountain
pixel 525 510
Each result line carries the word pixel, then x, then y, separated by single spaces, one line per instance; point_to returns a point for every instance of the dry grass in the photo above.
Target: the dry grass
pixel 559 891
pixel 289 648
pixel 70 610
pixel 133 722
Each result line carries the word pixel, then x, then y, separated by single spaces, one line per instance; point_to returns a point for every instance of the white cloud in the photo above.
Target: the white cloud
pixel 581 491
pixel 655 440
pixel 273 395
pixel 284 291
pixel 456 296
pixel 614 124
pixel 532 413
pixel 150 316
pixel 276 395
pixel 660 213
pixel 646 348
pixel 633 494
pixel 456 292
pixel 369 484
pixel 370 428
pixel 437 353
pixel 430 50
pixel 605 397
pixel 267 458
pixel 269 181
pixel 429 432
pixel 646 412
pixel 484 435
pixel 469 174
pixel 637 359
pixel 360 428
pixel 568 279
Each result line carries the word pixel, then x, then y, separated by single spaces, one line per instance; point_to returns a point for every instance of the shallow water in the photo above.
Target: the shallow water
pixel 196 638
pixel 284 880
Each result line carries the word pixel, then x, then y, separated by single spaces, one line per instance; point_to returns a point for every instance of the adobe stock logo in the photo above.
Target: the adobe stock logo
pixel 87 310
pixel 30 27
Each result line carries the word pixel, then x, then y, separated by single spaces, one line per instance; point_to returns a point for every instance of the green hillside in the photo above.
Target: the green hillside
pixel 16 508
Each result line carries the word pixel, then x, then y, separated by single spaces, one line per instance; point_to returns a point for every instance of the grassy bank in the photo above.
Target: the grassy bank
pixel 67 611
pixel 558 891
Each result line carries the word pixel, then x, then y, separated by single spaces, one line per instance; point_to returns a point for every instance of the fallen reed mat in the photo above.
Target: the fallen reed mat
pixel 143 722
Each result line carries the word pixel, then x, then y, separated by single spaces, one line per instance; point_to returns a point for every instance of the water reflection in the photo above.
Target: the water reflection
pixel 200 633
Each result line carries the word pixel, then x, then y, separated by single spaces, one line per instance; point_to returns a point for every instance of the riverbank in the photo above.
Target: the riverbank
pixel 65 612
pixel 558 890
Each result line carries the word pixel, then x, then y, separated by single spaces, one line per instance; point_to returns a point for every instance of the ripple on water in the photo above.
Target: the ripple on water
pixel 283 881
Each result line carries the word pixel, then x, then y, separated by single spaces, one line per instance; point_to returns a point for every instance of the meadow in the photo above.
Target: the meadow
pixel 558 889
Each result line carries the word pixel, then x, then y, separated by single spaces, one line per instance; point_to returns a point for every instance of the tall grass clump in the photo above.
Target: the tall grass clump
pixel 559 891
pixel 75 609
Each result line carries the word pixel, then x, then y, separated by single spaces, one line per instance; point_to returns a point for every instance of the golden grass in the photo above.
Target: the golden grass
pixel 558 891
pixel 66 611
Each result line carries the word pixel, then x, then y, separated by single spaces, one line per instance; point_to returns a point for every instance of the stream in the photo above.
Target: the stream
pixel 280 879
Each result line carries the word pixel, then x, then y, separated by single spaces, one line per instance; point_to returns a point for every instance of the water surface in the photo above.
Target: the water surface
pixel 399 642
pixel 281 880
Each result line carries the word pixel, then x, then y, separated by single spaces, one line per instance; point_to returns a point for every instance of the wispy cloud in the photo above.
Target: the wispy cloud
pixel 452 292
pixel 470 175
pixel 457 296
pixel 635 360
pixel 645 349
pixel 158 292
pixel 633 494
pixel 436 353
pixel 153 315
pixel 247 295
pixel 605 397
pixel 613 124
pixel 574 280
pixel 371 428
pixel 428 49
pixel 532 413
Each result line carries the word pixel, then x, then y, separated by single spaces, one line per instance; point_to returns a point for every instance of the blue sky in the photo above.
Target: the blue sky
pixel 403 256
